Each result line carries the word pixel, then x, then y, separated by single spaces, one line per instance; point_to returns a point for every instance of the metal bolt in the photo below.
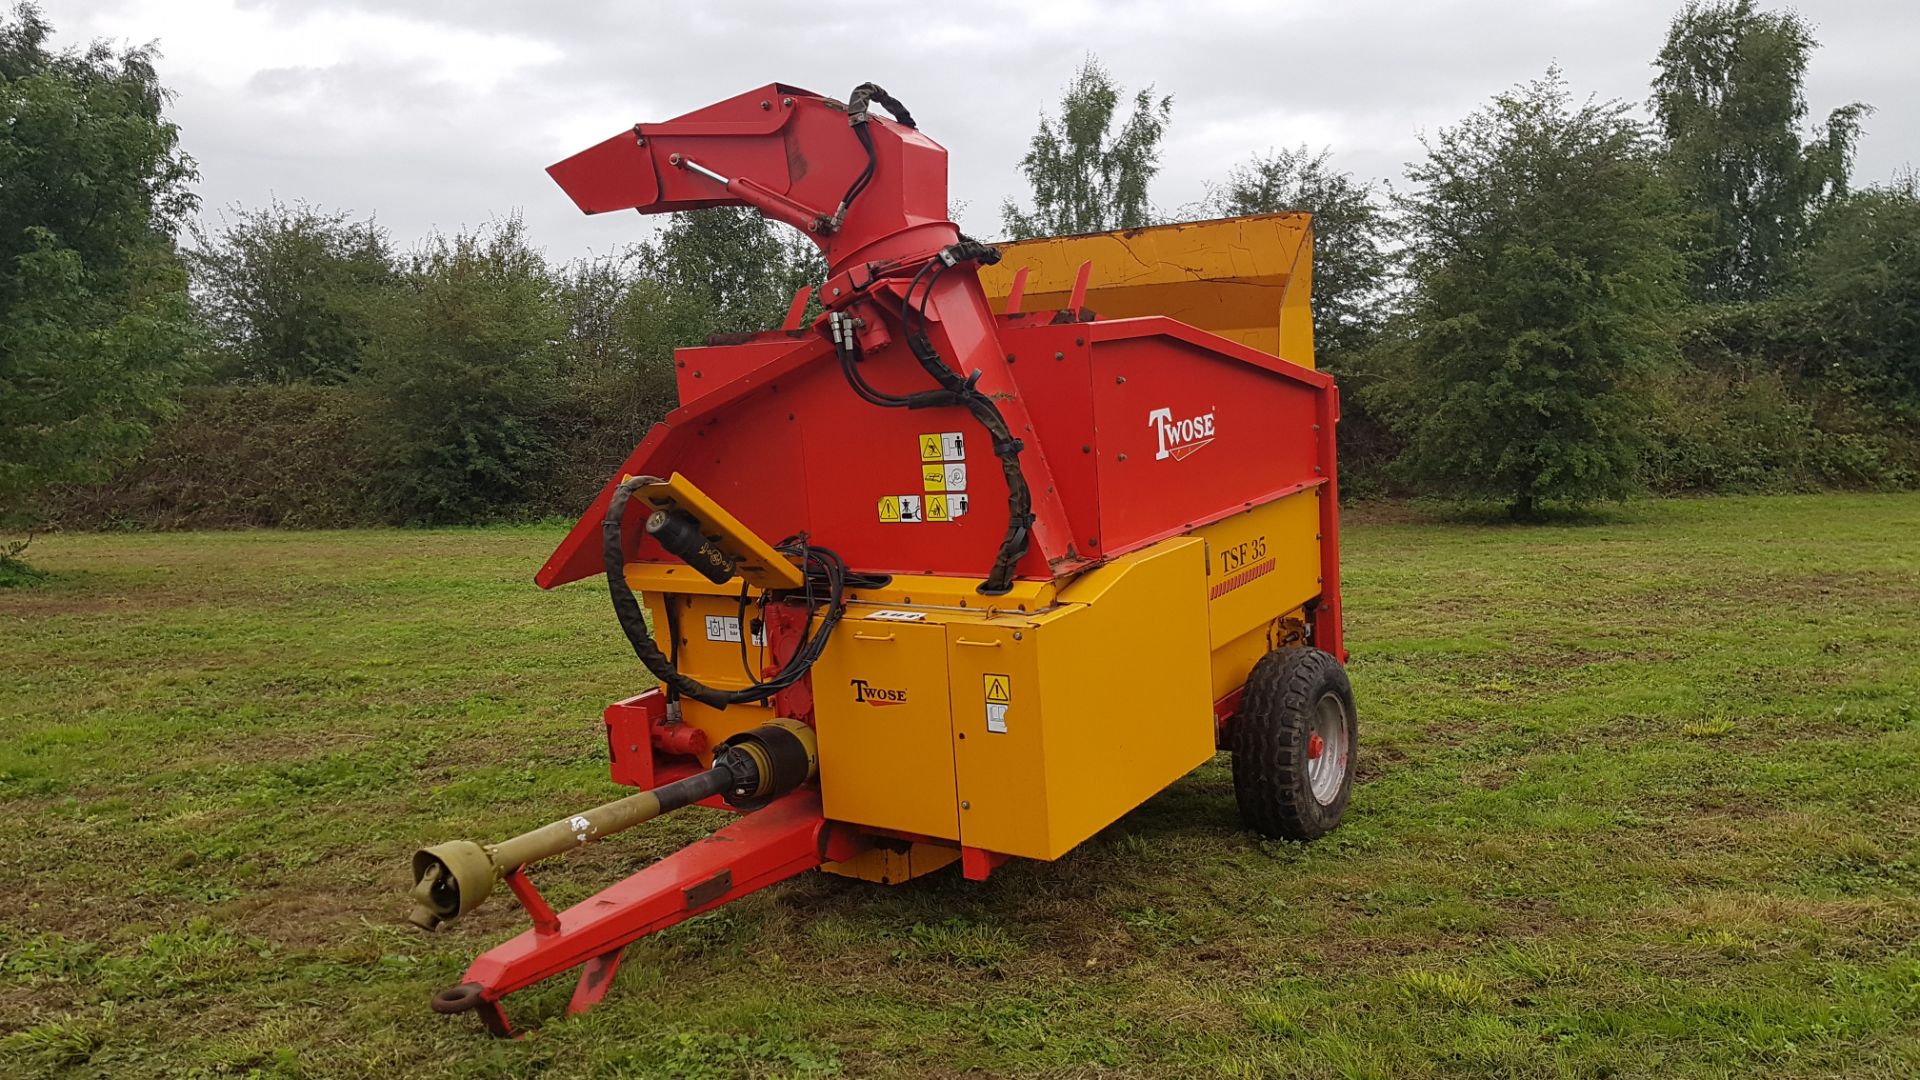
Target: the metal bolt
pixel 1079 341
pixel 1123 457
pixel 765 104
pixel 1086 449
pixel 786 102
pixel 836 290
pixel 1316 427
pixel 964 804
pixel 1059 356
pixel 1093 541
pixel 673 159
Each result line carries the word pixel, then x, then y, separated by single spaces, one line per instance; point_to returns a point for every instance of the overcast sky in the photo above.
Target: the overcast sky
pixel 444 114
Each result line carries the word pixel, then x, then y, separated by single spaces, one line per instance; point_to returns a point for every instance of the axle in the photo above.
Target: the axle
pixel 748 770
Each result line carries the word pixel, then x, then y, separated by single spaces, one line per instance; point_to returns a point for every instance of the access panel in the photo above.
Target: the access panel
pixel 881 713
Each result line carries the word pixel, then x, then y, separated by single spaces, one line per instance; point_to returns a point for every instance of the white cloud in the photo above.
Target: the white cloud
pixel 443 113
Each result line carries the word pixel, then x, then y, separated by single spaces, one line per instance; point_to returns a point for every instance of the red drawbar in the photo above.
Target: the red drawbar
pixel 754 851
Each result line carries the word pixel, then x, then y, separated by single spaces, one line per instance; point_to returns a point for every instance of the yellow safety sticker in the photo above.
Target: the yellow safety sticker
pixel 999 699
pixel 889 508
pixel 930 447
pixel 999 688
pixel 937 507
pixel 933 477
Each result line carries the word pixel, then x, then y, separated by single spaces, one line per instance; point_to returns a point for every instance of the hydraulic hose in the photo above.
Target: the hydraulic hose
pixel 626 610
pixel 953 389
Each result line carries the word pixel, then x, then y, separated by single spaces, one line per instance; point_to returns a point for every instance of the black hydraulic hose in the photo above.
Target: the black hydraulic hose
pixel 953 390
pixel 626 610
pixel 857 104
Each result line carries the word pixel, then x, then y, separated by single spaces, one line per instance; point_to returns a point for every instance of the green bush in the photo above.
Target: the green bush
pixel 462 366
pixel 238 456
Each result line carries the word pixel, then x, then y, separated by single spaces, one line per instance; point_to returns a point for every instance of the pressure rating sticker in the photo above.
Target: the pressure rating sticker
pixel 999 695
pixel 727 628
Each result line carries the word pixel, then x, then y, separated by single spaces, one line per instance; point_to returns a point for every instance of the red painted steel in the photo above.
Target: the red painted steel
pixel 630 726
pixel 754 851
pixel 596 978
pixel 1329 625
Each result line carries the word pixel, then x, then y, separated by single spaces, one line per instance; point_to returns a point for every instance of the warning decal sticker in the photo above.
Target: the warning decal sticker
pixel 943 480
pixel 889 508
pixel 999 688
pixel 999 695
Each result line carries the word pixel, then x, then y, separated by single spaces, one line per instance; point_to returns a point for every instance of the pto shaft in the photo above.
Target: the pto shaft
pixel 749 769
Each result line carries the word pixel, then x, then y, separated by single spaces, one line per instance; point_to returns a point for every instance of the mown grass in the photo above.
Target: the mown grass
pixel 1640 797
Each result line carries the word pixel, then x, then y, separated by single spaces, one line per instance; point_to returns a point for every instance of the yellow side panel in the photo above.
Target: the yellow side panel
pixel 1247 279
pixel 1261 564
pixel 880 709
pixel 1001 771
pixel 1101 704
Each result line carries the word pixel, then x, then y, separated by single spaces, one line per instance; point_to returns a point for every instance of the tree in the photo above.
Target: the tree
pixel 1087 176
pixel 1860 280
pixel 1730 103
pixel 95 329
pixel 1351 264
pixel 1543 273
pixel 458 375
pixel 286 290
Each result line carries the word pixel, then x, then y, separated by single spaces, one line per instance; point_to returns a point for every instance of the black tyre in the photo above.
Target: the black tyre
pixel 1293 742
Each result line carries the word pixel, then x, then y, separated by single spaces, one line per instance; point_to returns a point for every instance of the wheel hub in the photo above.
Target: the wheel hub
pixel 1328 749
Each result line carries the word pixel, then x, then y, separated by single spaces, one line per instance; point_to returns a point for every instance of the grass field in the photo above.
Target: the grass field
pixel 1639 797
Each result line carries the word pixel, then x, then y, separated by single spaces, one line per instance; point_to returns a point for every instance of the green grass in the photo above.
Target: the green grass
pixel 1639 797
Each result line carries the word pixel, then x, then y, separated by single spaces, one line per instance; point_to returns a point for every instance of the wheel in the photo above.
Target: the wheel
pixel 1293 742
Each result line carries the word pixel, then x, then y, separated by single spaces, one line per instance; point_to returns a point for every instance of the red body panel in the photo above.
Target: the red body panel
pixel 800 453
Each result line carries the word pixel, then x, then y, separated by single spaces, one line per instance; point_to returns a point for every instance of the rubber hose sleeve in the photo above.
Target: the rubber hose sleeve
pixel 626 606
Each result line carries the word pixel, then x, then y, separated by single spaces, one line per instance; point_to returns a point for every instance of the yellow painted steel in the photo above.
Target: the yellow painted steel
pixel 1246 279
pixel 892 867
pixel 1066 720
pixel 759 564
pixel 881 714
pixel 1262 565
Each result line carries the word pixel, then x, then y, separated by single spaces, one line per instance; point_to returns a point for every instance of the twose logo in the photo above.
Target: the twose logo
pixel 876 695
pixel 1178 438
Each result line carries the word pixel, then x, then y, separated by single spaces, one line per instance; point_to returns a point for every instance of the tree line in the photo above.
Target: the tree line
pixel 1563 302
